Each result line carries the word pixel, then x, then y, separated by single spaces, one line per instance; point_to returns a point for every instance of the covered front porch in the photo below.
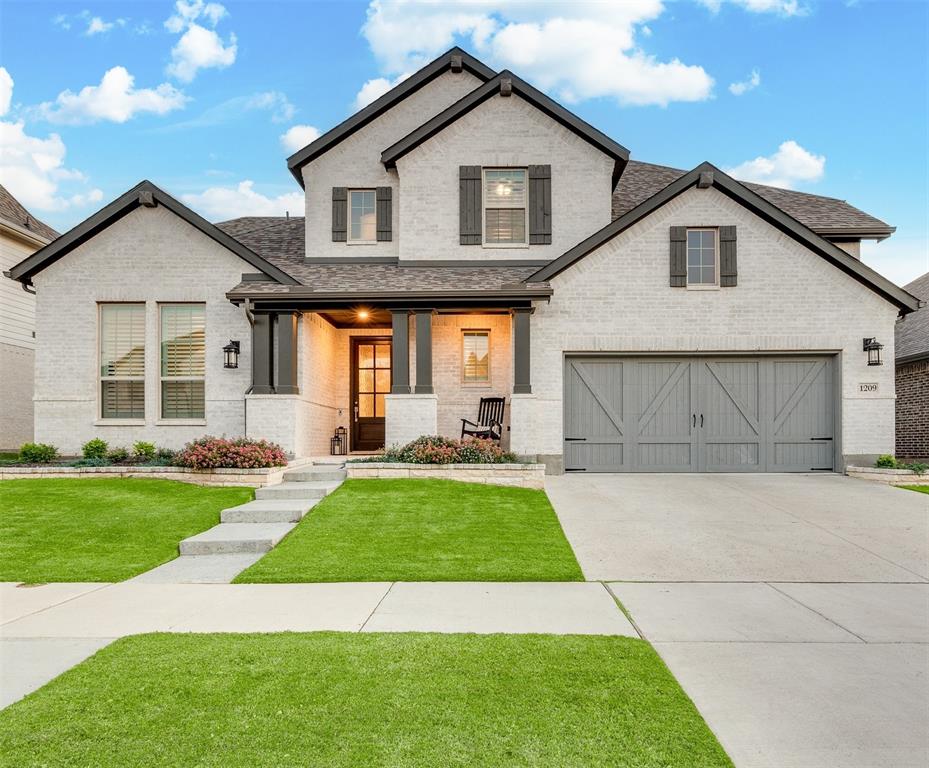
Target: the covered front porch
pixel 386 373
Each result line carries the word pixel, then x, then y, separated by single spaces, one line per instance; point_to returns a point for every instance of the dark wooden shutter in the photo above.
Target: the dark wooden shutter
pixel 728 273
pixel 339 214
pixel 678 257
pixel 540 204
pixel 384 213
pixel 469 204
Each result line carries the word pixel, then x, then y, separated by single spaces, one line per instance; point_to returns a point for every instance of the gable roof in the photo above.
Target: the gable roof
pixel 827 216
pixel 143 193
pixel 379 106
pixel 12 211
pixel 911 337
pixel 535 97
pixel 757 205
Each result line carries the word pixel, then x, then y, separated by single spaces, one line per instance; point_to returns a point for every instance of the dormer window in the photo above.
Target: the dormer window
pixel 505 207
pixel 362 224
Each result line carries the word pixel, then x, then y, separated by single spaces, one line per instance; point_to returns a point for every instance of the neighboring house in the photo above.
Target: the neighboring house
pixel 912 350
pixel 21 234
pixel 466 236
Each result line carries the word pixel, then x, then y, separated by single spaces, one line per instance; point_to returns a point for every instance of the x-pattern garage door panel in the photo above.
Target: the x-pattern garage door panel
pixel 722 414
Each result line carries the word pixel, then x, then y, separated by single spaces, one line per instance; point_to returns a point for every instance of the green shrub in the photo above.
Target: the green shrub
pixel 886 462
pixel 918 467
pixel 435 449
pixel 144 451
pixel 118 455
pixel 94 449
pixel 165 455
pixel 37 453
pixel 96 461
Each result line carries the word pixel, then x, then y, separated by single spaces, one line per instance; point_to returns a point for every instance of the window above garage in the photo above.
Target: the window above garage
pixel 702 258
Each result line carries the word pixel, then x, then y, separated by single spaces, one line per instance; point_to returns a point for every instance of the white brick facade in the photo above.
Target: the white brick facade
pixel 787 299
pixel 150 256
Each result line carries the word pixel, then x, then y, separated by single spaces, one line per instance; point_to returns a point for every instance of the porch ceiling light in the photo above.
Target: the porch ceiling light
pixel 231 355
pixel 362 314
pixel 873 348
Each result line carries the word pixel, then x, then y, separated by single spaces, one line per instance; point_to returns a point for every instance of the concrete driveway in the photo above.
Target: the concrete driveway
pixel 793 609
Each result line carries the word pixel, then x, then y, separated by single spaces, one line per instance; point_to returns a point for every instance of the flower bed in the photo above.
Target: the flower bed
pixel 887 476
pixel 435 449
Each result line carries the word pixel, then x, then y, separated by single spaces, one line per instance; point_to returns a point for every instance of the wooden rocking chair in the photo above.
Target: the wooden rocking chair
pixel 489 425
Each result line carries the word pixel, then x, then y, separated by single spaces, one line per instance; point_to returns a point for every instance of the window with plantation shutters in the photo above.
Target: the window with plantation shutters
pixel 505 206
pixel 183 361
pixel 122 361
pixel 475 357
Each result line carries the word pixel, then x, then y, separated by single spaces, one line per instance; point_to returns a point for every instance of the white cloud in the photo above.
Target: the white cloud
pixel 33 168
pixel 221 203
pixel 6 91
pixel 744 86
pixel 578 50
pixel 199 47
pixel 275 102
pixel 374 89
pixel 116 99
pixel 96 25
pixel 789 166
pixel 780 7
pixel 298 136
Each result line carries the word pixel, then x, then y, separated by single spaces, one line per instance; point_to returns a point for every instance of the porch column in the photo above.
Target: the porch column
pixel 262 356
pixel 400 353
pixel 424 352
pixel 521 376
pixel 287 354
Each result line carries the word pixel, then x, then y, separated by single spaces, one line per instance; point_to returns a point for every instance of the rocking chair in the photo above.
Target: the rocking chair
pixel 489 425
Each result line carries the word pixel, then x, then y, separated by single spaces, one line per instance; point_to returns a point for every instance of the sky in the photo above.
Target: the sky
pixel 207 99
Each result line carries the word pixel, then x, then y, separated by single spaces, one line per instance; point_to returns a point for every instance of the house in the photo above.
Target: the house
pixel 912 377
pixel 466 236
pixel 21 234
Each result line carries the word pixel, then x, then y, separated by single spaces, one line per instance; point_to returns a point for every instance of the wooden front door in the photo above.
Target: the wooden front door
pixel 370 382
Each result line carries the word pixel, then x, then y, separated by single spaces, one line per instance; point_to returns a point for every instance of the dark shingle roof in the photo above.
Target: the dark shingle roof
pixel 912 333
pixel 12 210
pixel 824 215
pixel 281 241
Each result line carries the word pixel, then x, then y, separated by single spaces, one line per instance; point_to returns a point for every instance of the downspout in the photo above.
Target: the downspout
pixel 249 315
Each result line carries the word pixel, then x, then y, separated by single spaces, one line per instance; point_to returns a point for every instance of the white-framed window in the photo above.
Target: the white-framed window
pixel 475 356
pixel 122 361
pixel 183 361
pixel 702 258
pixel 362 216
pixel 506 207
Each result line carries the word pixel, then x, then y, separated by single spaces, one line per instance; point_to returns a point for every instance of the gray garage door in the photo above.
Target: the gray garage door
pixel 699 414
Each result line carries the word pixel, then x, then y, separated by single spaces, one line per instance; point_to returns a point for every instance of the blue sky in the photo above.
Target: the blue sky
pixel 207 99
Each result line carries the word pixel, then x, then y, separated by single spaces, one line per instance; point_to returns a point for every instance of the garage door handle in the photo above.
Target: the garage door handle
pixel 695 420
pixel 701 421
pixel 575 439
pixel 820 438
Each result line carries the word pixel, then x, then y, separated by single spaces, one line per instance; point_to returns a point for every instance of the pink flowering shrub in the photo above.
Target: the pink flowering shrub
pixel 238 453
pixel 435 449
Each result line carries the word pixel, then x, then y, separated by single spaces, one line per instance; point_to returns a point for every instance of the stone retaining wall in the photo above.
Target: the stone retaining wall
pixel 888 476
pixel 518 475
pixel 226 477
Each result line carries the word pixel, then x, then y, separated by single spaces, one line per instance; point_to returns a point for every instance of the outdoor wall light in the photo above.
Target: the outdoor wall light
pixel 362 314
pixel 873 348
pixel 231 355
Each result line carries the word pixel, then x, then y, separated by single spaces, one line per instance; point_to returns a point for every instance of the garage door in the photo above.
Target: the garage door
pixel 699 414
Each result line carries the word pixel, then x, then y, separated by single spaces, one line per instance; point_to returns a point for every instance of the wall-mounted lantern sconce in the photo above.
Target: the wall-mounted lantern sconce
pixel 871 346
pixel 231 355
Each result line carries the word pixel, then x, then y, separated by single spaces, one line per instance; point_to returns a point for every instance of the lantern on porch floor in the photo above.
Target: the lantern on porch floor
pixel 338 443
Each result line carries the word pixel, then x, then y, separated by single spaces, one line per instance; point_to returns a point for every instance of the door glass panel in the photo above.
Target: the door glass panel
pixel 383 381
pixel 366 356
pixel 383 356
pixel 379 405
pixel 366 380
pixel 366 406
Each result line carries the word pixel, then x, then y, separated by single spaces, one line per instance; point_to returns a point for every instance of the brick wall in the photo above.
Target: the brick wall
pixel 17 365
pixel 913 410
pixel 618 299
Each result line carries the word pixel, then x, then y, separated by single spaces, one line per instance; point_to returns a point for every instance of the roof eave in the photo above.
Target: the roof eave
pixel 383 103
pixel 307 294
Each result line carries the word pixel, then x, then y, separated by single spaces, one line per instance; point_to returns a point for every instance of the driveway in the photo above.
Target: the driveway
pixel 793 609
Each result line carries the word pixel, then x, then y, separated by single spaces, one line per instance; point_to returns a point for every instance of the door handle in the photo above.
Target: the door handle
pixel 356 413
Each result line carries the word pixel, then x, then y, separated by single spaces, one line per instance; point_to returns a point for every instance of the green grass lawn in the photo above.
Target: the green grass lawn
pixel 101 530
pixel 334 699
pixel 918 488
pixel 423 530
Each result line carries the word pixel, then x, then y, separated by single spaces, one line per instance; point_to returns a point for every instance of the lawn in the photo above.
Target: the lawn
pixel 100 530
pixel 362 700
pixel 423 530
pixel 919 488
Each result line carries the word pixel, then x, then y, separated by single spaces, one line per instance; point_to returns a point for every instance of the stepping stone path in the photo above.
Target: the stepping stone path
pixel 245 533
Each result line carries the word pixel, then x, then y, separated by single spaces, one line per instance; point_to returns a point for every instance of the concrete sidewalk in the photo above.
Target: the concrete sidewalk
pixel 46 629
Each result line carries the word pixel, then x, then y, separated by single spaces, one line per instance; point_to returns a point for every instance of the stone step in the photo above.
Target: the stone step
pixel 315 474
pixel 268 511
pixel 228 538
pixel 307 490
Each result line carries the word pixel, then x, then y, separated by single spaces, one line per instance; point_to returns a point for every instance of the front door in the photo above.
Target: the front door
pixel 370 382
